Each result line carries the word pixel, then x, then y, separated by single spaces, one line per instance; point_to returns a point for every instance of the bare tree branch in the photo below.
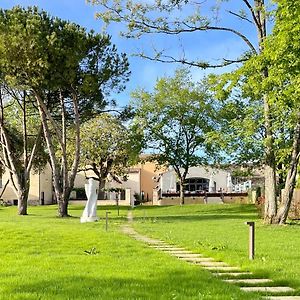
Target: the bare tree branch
pixel 249 6
pixel 239 16
pixel 202 65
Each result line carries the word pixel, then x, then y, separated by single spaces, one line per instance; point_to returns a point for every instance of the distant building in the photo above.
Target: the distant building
pixel 145 182
pixel 40 191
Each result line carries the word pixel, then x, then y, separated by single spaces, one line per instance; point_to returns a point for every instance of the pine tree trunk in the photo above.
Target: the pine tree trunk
pixel 181 192
pixel 62 206
pixel 22 201
pixel 101 189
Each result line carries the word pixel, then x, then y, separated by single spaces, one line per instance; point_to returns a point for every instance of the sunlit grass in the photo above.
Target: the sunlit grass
pixel 220 232
pixel 45 257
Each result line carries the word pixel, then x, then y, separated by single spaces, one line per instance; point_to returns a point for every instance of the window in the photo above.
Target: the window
pixel 196 184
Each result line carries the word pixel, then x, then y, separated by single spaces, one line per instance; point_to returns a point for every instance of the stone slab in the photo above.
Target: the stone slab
pixel 270 289
pixel 196 260
pixel 213 264
pixel 146 240
pixel 248 280
pixel 186 255
pixel 235 274
pixel 220 268
pixel 171 251
pixel 168 248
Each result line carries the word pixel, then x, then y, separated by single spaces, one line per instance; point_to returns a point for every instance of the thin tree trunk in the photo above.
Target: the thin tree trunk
pixel 63 182
pixel 18 167
pixel 181 192
pixel 63 203
pixel 287 195
pixel 77 143
pixel 53 161
pixel 23 191
pixel 101 188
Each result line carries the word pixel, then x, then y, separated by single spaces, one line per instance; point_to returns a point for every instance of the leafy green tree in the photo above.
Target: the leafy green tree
pixel 179 18
pixel 177 118
pixel 63 68
pixel 240 118
pixel 108 147
pixel 281 56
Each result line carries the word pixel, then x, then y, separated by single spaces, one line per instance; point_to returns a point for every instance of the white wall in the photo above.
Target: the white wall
pixel 169 178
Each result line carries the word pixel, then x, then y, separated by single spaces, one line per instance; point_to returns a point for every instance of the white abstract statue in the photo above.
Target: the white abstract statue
pixel 229 183
pixel 211 184
pixel 90 211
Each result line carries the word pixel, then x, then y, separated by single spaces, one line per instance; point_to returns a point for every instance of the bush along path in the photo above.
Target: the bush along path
pixel 247 281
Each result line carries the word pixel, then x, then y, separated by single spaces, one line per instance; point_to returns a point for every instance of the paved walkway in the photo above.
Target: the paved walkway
pixel 230 274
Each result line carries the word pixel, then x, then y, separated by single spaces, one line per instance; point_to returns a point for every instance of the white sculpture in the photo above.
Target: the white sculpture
pixel 90 211
pixel 229 183
pixel 211 184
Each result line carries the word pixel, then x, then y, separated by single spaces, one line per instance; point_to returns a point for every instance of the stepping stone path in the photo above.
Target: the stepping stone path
pixel 226 273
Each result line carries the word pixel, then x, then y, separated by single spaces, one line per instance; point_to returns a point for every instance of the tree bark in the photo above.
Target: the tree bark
pixel 181 196
pixel 270 170
pixel 287 195
pixel 53 161
pixel 101 188
pixel 62 205
pixel 270 165
pixel 23 200
pixel 63 182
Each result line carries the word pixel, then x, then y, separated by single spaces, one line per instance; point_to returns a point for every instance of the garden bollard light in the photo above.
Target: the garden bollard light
pixel 251 239
pixel 106 220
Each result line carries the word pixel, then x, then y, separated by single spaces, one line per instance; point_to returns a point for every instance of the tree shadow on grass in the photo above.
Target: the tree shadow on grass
pixel 170 285
pixel 215 212
pixel 204 217
pixel 208 208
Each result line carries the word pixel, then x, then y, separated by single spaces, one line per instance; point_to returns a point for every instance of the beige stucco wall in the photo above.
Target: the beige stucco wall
pixel 9 194
pixel 80 179
pixel 133 182
pixel 46 185
pixel 148 171
pixel 39 182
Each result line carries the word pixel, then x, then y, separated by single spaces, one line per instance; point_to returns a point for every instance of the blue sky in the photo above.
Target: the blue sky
pixel 144 72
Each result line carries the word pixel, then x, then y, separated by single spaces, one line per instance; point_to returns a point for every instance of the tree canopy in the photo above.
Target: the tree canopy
pixel 177 118
pixel 67 71
pixel 108 147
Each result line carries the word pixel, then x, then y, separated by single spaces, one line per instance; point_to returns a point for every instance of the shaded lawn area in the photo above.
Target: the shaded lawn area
pixel 219 231
pixel 44 257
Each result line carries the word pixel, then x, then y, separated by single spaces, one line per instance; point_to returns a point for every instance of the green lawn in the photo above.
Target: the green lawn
pixel 44 257
pixel 219 231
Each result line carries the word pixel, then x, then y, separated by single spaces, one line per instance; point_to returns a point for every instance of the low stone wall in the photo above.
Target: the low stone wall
pixel 243 199
pixel 101 202
pixel 229 198
pixel 295 205
pixel 176 200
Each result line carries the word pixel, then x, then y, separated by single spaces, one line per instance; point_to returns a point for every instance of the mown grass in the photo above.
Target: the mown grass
pixel 219 231
pixel 45 257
